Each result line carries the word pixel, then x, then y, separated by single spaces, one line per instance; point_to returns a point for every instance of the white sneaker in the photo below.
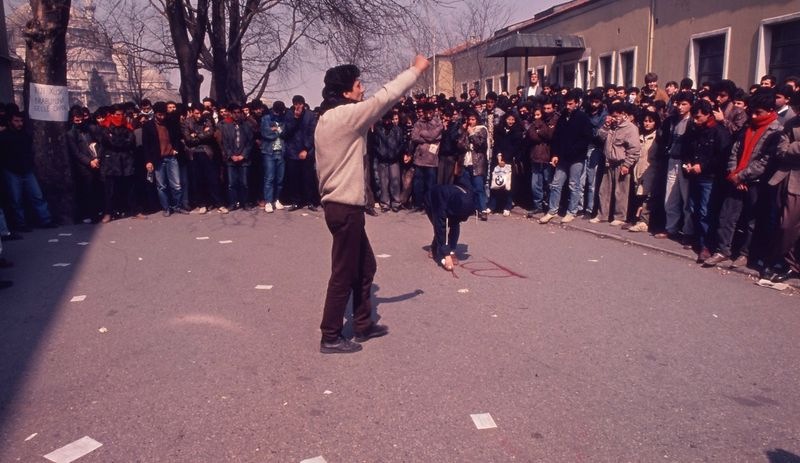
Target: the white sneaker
pixel 278 205
pixel 506 213
pixel 487 211
pixel 268 208
pixel 223 210
pixel 594 220
pixel 639 227
pixel 616 223
pixel 568 218
pixel 546 218
pixel 200 210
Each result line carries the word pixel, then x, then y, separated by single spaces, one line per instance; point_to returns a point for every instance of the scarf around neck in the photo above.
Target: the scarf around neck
pixel 752 135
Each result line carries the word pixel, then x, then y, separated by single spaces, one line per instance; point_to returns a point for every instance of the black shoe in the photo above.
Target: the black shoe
pixel 371 211
pixel 11 237
pixel 312 208
pixel 340 346
pixel 166 213
pixel 483 216
pixel 783 276
pixel 293 208
pixel 180 210
pixel 395 209
pixel 374 331
pixel 6 284
pixel 384 209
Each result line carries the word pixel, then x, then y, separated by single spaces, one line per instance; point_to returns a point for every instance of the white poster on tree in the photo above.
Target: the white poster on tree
pixel 48 103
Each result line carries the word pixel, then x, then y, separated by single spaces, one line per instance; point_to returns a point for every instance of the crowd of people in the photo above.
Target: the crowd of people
pixel 716 168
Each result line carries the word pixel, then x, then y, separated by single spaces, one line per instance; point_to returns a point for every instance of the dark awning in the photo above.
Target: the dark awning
pixel 534 45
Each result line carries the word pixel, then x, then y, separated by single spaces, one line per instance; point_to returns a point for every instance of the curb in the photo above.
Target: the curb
pixel 795 285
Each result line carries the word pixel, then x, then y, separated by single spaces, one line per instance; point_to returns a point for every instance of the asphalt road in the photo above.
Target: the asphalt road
pixel 581 349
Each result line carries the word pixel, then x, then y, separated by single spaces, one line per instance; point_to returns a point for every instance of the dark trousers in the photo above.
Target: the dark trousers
pixel 353 267
pixel 424 180
pixel 88 193
pixel 445 172
pixel 739 208
pixel 786 244
pixel 119 194
pixel 301 182
pixel 238 192
pixel 208 192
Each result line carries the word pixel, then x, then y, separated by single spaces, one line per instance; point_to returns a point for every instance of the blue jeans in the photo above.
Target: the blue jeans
pixel 274 168
pixel 424 180
pixel 478 183
pixel 237 185
pixel 699 200
pixel 25 186
pixel 589 178
pixel 564 173
pixel 168 174
pixel 541 175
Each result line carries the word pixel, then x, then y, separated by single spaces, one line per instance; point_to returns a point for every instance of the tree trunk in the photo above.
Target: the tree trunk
pixel 235 86
pixel 187 50
pixel 46 63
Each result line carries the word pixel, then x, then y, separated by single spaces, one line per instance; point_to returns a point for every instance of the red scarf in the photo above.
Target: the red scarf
pixel 752 135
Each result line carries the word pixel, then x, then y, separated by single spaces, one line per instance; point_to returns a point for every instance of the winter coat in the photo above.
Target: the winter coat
pixel 387 144
pixel 198 136
pixel 787 159
pixel 449 147
pixel 426 137
pixel 540 134
pixel 152 145
pixel 273 142
pixel 508 142
pixel 708 146
pixel 17 153
pixel 646 169
pixel 759 163
pixel 474 148
pixel 231 147
pixel 621 144
pixel 299 135
pixel 117 154
pixel 571 137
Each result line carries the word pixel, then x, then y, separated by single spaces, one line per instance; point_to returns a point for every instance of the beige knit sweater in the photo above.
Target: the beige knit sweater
pixel 340 141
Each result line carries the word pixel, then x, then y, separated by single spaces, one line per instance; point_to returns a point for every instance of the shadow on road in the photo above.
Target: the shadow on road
pixel 782 456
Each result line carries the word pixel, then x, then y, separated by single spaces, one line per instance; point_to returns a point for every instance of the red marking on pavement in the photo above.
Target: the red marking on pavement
pixel 490 269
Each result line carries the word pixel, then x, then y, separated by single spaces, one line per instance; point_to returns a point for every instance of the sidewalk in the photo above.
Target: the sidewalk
pixel 648 241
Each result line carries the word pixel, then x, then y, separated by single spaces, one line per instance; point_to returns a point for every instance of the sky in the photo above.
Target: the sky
pixel 308 82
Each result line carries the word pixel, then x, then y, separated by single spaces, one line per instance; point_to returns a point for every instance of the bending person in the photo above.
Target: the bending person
pixel 448 206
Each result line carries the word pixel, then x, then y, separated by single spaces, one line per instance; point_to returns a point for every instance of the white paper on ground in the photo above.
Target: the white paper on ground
pixel 202 238
pixel 80 298
pixel 464 290
pixel 593 260
pixel 61 264
pixel 65 234
pixel 263 286
pixel 768 284
pixel 383 256
pixel 226 242
pixel 318 459
pixel 83 243
pixel 483 421
pixel 31 436
pixel 327 392
pixel 73 451
pixel 304 214
pixel 103 330
pixel 54 240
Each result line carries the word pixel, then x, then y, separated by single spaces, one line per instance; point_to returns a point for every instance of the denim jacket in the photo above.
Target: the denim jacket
pixel 273 141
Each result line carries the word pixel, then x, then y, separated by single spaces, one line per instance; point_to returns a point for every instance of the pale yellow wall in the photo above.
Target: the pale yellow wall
pixel 616 25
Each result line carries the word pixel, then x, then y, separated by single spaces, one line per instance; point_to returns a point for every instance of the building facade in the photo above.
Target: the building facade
pixel 99 72
pixel 588 43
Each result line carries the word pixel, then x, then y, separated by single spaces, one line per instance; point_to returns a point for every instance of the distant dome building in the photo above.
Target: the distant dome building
pixel 99 72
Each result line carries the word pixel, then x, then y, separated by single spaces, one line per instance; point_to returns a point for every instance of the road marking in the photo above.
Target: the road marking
pixel 318 459
pixel 61 264
pixel 263 286
pixel 65 234
pixel 83 243
pixel 202 238
pixel 80 298
pixel 593 260
pixel 383 256
pixel 226 242
pixel 73 451
pixel 31 436
pixel 463 291
pixel 483 421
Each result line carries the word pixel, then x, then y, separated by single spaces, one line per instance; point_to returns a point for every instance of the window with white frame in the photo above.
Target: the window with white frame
pixel 708 56
pixel 778 39
pixel 582 75
pixel 504 83
pixel 605 69
pixel 627 68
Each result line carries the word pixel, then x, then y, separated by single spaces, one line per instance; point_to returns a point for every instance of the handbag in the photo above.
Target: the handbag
pixel 501 178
